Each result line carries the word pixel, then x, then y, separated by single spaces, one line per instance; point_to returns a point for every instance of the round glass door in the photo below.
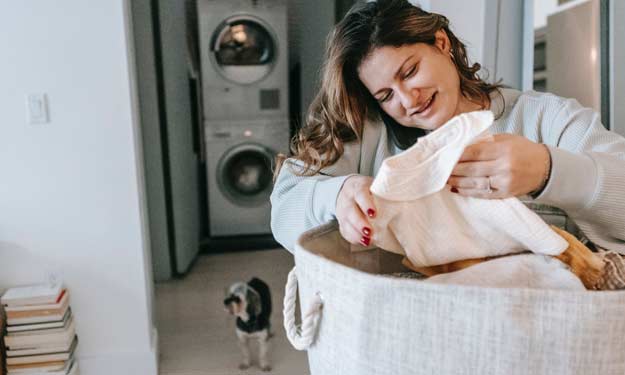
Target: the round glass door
pixel 244 174
pixel 243 49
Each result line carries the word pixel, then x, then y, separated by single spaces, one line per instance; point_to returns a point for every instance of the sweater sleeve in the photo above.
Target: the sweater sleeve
pixel 588 173
pixel 299 203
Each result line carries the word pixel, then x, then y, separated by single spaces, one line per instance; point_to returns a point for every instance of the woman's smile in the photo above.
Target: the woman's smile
pixel 425 109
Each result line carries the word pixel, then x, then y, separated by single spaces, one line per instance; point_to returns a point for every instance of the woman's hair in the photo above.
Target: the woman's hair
pixel 338 112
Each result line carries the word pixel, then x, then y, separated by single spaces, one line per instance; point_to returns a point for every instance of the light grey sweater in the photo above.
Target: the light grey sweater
pixel 587 175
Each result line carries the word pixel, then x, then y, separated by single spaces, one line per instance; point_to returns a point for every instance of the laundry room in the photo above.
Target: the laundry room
pixel 312 187
pixel 224 85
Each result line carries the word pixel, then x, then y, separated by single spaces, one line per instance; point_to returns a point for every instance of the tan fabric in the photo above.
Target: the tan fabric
pixel 588 266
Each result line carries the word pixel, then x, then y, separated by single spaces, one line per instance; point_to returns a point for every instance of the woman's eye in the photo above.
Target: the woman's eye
pixel 410 72
pixel 386 97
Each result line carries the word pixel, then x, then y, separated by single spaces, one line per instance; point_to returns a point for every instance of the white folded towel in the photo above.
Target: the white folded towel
pixel 420 217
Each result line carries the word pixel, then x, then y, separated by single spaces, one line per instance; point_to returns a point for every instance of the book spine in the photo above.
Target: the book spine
pixel 32 340
pixel 51 306
pixel 35 319
pixel 41 349
pixel 36 359
pixel 61 356
pixel 41 325
pixel 27 296
pixel 35 313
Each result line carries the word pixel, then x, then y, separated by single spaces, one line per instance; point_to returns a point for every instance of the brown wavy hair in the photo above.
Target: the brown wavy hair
pixel 343 104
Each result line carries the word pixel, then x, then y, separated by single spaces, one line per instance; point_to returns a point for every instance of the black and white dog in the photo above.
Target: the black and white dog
pixel 251 304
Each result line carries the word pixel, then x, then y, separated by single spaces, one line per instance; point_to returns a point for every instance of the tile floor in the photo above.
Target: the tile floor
pixel 196 335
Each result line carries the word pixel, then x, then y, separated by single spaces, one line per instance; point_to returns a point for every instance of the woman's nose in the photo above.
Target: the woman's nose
pixel 408 97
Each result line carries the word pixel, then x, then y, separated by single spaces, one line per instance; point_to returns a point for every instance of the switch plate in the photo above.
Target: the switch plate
pixel 37 109
pixel 53 276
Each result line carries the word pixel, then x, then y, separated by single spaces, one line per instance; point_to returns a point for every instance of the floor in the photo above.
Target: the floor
pixel 196 335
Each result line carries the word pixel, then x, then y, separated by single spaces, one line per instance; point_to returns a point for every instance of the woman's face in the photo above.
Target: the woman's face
pixel 417 85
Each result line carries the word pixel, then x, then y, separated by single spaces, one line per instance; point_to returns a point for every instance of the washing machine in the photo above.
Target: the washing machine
pixel 240 177
pixel 243 53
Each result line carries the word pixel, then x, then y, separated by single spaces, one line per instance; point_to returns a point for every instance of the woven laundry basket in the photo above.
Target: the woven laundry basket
pixel 358 321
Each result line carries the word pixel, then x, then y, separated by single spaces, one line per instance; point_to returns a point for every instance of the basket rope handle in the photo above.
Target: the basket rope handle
pixel 300 337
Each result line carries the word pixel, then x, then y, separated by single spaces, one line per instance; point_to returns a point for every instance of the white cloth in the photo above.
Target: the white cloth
pixel 419 217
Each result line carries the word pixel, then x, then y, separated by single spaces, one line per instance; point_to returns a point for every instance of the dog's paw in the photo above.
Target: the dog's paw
pixel 266 368
pixel 244 366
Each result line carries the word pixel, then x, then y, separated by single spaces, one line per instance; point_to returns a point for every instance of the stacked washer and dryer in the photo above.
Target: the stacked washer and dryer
pixel 244 60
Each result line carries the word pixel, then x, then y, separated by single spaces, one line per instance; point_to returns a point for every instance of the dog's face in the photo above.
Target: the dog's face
pixel 235 302
pixel 242 301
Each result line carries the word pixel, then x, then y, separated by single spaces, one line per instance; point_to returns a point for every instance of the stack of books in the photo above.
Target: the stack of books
pixel 40 335
pixel 2 370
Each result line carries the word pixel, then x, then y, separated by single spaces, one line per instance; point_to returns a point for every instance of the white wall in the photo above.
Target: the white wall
pixel 508 59
pixel 71 200
pixel 492 31
pixel 467 22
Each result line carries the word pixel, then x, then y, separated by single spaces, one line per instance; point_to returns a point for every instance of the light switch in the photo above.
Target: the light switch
pixel 37 108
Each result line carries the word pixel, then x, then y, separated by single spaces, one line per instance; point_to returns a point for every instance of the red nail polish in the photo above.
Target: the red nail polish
pixel 366 231
pixel 365 241
pixel 371 212
pixel 454 190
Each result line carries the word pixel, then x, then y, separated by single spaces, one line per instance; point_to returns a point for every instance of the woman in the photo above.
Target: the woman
pixel 393 72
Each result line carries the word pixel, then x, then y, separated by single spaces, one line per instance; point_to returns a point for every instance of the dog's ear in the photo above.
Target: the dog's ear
pixel 254 307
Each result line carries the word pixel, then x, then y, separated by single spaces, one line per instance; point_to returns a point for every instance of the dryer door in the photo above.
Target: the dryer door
pixel 244 174
pixel 244 49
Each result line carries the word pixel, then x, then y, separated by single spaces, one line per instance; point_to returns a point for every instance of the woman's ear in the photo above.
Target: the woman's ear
pixel 442 42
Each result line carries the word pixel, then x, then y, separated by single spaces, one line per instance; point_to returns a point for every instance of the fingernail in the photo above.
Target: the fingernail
pixel 365 241
pixel 454 190
pixel 371 212
pixel 366 231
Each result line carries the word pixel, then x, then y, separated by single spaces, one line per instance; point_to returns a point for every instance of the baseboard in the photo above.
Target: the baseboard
pixel 238 243
pixel 143 363
pixel 155 348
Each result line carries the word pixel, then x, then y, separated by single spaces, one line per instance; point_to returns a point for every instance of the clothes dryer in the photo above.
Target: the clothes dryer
pixel 244 59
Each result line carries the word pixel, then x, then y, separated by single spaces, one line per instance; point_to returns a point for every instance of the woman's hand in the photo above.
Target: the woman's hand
pixel 508 166
pixel 353 205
